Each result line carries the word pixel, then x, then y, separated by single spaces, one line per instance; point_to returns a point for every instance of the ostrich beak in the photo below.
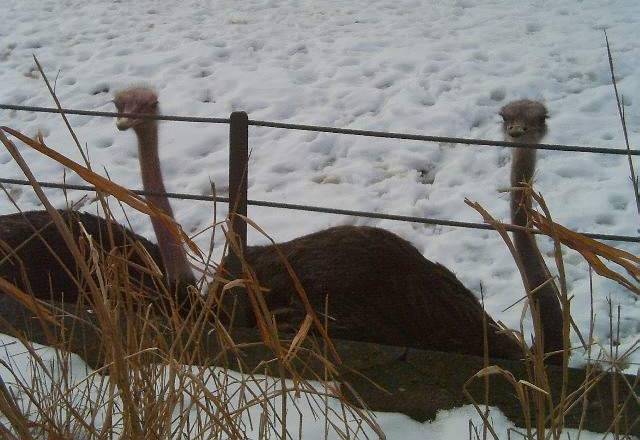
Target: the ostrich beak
pixel 124 123
pixel 516 130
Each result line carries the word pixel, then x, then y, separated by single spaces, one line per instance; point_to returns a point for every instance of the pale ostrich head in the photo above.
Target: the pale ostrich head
pixel 135 100
pixel 524 121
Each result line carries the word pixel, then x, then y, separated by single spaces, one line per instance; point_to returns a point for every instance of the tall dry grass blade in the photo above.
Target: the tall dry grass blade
pixel 59 106
pixel 543 403
pixel 55 216
pixel 495 370
pixel 12 412
pixel 499 227
pixel 623 122
pixel 298 338
pixel 83 153
pixel 299 289
pixel 27 300
pixel 592 250
pixel 101 309
pixel 557 413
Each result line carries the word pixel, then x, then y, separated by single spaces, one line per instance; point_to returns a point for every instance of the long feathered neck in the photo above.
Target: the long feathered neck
pixel 536 273
pixel 173 254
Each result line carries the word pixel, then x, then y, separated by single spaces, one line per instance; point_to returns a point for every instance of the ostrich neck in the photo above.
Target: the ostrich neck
pixel 536 272
pixel 173 254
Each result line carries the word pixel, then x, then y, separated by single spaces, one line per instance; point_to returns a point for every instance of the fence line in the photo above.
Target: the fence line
pixel 309 208
pixel 445 139
pixel 68 111
pixel 335 130
pixel 238 166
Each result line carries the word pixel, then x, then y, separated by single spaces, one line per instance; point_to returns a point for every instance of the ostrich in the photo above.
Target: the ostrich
pixel 34 256
pixel 144 100
pixel 525 121
pixel 380 288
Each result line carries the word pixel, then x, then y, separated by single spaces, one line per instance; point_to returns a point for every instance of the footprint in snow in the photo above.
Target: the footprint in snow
pixel 618 202
pixel 498 94
pixel 203 73
pixel 605 219
pixel 104 142
pixel 384 83
pixel 607 136
pixel 532 28
pixel 83 56
pixel 99 88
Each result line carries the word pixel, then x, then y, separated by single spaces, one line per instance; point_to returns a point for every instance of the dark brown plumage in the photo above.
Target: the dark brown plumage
pixel 381 289
pixel 28 262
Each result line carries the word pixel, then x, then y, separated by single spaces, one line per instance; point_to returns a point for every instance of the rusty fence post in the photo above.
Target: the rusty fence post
pixel 238 172
pixel 238 175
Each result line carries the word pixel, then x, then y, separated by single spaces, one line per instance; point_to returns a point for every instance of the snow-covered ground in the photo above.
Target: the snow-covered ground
pixel 427 67
pixel 304 414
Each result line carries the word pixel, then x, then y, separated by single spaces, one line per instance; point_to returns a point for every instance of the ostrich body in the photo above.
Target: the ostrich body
pixel 41 262
pixel 380 287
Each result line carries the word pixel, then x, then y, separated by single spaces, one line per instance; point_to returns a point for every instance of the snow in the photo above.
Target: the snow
pixel 426 67
pixel 304 417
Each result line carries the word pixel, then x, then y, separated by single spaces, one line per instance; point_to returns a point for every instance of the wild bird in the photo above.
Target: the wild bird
pixel 380 288
pixel 145 101
pixel 525 121
pixel 34 256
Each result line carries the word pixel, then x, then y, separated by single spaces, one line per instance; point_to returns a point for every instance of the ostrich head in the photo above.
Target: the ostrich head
pixel 524 121
pixel 135 100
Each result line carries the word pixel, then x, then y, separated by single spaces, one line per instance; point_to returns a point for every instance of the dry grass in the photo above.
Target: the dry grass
pixel 162 375
pixel 166 375
pixel 543 411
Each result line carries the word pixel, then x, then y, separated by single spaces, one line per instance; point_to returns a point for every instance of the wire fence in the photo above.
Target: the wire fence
pixel 335 130
pixel 238 165
pixel 309 208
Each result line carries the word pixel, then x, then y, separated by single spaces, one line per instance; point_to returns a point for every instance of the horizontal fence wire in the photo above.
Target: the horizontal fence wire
pixel 347 131
pixel 68 111
pixel 308 208
pixel 324 129
pixel 445 139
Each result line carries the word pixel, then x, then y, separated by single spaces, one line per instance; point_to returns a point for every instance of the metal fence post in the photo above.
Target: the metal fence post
pixel 238 173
